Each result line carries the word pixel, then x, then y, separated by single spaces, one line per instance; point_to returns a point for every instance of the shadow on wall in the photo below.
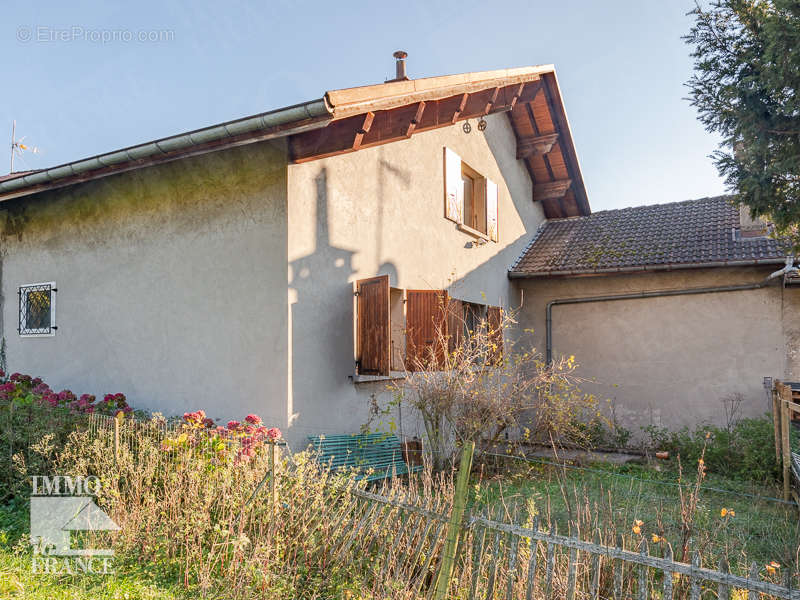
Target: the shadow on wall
pixel 322 339
pixel 321 397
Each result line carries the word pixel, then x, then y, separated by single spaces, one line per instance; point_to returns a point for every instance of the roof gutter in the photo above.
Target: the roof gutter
pixel 263 126
pixel 641 268
pixel 788 268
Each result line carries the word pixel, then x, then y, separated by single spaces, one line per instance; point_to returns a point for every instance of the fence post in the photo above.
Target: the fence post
pixel 786 397
pixel 272 491
pixel 455 522
pixel 776 419
pixel 117 420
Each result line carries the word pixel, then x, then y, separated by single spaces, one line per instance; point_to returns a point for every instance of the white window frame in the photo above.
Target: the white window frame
pixel 53 294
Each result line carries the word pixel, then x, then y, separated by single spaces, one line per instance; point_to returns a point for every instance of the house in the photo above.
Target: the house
pixel 675 312
pixel 285 263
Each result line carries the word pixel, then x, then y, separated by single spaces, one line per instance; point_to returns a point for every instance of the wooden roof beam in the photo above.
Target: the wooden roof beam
pixel 537 144
pixel 365 127
pixel 491 101
pixel 553 190
pixel 415 120
pixel 462 105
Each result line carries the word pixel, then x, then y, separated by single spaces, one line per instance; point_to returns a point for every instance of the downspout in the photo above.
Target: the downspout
pixel 656 294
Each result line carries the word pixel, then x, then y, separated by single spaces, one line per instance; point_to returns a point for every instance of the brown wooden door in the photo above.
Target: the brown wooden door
pixel 374 332
pixel 426 329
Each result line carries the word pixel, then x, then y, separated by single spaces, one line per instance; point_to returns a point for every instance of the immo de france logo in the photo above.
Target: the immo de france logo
pixel 59 507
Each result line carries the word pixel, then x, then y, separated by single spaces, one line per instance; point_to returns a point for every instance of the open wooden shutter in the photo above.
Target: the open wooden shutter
pixel 453 187
pixel 491 209
pixel 374 333
pixel 494 318
pixel 426 323
pixel 455 323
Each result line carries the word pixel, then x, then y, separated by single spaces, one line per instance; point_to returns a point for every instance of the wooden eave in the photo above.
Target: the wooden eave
pixel 373 115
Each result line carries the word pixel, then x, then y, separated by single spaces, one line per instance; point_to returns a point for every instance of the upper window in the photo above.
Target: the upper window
pixel 474 198
pixel 37 309
pixel 470 198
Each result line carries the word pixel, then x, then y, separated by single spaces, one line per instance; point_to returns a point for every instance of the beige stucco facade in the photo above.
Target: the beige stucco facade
pixel 225 281
pixel 381 211
pixel 171 284
pixel 671 361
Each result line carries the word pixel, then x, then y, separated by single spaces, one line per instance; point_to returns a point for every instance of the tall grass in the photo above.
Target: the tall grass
pixel 189 516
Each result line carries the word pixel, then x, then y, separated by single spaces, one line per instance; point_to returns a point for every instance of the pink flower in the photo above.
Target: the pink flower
pixel 253 419
pixel 194 418
pixel 274 433
pixel 234 425
pixel 208 422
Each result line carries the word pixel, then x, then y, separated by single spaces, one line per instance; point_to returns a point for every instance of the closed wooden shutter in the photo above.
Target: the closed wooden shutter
pixel 453 187
pixel 455 323
pixel 426 329
pixel 494 318
pixel 492 216
pixel 374 333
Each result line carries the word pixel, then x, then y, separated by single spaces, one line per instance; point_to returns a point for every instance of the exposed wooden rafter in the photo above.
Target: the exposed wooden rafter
pixel 553 190
pixel 360 131
pixel 461 106
pixel 415 120
pixel 537 144
pixel 365 127
pixel 491 101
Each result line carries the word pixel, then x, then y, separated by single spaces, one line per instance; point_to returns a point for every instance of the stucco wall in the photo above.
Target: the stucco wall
pixel 381 211
pixel 171 284
pixel 670 361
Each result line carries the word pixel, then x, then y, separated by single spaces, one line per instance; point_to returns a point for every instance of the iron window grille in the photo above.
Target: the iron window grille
pixel 37 309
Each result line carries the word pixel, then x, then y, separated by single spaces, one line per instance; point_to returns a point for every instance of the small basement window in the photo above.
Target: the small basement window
pixel 37 309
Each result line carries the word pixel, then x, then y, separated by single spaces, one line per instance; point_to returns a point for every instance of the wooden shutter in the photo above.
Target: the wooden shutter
pixel 374 333
pixel 455 323
pixel 494 319
pixel 425 323
pixel 453 187
pixel 491 210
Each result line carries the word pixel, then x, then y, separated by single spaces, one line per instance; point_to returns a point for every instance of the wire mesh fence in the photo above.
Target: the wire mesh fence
pixel 393 535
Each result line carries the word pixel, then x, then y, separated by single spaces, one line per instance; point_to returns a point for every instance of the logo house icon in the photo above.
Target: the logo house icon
pixel 53 518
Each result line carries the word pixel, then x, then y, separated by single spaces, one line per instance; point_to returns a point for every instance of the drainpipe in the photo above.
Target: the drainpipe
pixel 657 294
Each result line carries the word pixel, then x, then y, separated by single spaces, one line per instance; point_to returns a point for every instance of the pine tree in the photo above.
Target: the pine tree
pixel 747 74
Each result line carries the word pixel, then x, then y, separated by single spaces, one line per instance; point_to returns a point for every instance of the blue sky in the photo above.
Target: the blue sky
pixel 621 65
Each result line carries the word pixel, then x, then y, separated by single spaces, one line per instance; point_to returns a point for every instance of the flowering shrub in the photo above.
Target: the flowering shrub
pixel 31 412
pixel 237 441
pixel 24 390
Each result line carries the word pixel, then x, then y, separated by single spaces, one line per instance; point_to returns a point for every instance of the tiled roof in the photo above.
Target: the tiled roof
pixel 686 234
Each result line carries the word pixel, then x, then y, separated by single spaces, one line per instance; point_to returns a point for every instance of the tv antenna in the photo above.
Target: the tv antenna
pixel 17 145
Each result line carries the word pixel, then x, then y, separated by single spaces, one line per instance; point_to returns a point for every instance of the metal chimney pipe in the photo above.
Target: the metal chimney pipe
pixel 400 66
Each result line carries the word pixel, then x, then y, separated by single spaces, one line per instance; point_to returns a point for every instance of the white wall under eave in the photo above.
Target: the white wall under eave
pixel 381 211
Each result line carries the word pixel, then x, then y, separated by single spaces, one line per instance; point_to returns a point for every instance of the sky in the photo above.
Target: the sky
pixel 83 78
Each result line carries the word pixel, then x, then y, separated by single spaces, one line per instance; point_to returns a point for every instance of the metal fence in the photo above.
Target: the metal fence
pixel 498 559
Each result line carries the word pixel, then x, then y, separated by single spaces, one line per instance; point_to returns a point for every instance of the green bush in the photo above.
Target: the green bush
pixel 746 450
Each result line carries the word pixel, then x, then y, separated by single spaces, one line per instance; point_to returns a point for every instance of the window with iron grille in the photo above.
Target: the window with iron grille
pixel 37 309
